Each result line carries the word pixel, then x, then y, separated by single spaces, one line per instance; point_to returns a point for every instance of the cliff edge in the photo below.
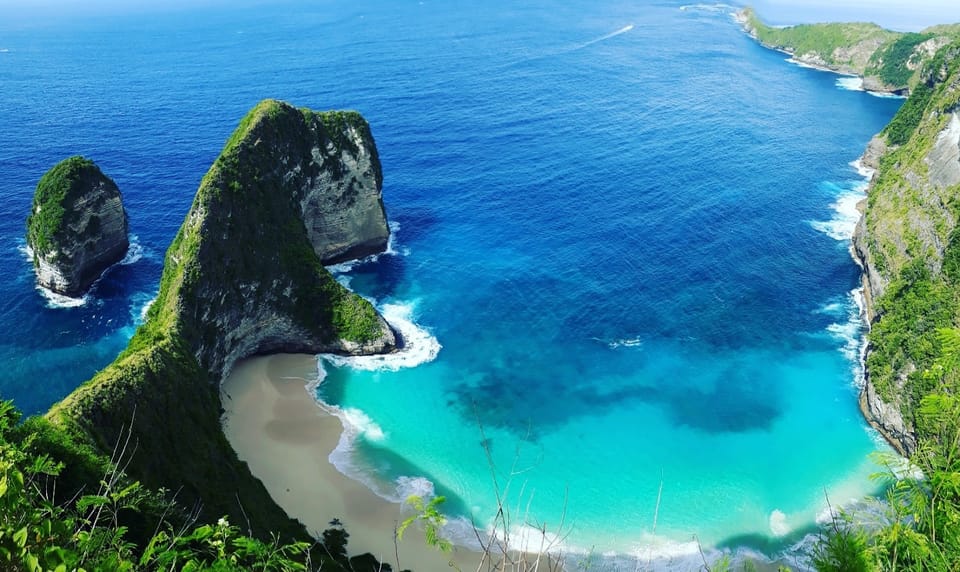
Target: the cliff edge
pixel 908 243
pixel 243 276
pixel 77 226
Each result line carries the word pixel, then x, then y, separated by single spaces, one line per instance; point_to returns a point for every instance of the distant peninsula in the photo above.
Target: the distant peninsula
pixel 888 61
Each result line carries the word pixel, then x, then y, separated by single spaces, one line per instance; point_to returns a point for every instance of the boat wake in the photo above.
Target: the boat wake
pixel 622 30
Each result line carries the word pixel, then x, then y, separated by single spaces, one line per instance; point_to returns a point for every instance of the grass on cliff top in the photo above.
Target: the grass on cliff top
pixel 891 62
pixel 56 191
pixel 821 39
pixel 950 30
pixel 247 169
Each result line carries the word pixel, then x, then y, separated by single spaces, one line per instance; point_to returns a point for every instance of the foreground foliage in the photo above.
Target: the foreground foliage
pixel 920 529
pixel 112 523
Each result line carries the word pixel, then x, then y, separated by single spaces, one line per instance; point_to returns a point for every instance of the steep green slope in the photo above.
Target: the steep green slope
pixel 909 244
pixel 241 277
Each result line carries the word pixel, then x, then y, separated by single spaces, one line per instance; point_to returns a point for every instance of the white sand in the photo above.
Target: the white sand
pixel 277 427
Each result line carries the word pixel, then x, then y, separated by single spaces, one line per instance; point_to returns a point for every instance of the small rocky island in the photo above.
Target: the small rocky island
pixel 77 227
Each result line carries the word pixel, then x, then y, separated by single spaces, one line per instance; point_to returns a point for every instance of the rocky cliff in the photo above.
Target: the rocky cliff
pixel 908 244
pixel 77 227
pixel 243 276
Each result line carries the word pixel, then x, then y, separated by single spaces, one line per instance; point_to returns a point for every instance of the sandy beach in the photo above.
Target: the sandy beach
pixel 275 425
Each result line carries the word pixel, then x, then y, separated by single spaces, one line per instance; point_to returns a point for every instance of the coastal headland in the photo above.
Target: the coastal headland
pixel 243 276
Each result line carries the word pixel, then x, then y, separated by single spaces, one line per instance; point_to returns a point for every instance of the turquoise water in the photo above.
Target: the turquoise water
pixel 620 258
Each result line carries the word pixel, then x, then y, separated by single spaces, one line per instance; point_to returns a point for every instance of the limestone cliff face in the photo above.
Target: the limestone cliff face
pixel 243 276
pixel 293 190
pixel 343 206
pixel 906 241
pixel 77 227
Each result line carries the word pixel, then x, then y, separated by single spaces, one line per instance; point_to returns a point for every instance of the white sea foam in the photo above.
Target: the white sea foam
pixel 844 222
pixel 390 250
pixel 885 95
pixel 833 309
pixel 864 171
pixel 135 252
pixel 854 83
pixel 415 486
pixel 626 343
pixel 849 331
pixel 849 83
pixel 140 305
pixel 716 8
pixel 361 424
pixel 849 334
pixel 419 345
pixel 796 62
pixel 55 300
pixel 778 523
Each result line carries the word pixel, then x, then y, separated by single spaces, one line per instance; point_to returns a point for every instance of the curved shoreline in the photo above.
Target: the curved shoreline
pixel 276 427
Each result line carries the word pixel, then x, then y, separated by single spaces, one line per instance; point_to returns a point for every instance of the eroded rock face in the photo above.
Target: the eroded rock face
pixel 293 190
pixel 887 419
pixel 77 227
pixel 944 158
pixel 343 207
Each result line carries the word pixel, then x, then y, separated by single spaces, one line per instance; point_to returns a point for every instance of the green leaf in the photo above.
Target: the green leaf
pixel 20 537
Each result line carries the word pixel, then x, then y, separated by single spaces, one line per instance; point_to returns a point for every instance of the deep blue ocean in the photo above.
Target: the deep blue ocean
pixel 620 251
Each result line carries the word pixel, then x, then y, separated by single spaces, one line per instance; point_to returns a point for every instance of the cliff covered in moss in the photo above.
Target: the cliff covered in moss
pixel 887 61
pixel 77 226
pixel 243 276
pixel 908 243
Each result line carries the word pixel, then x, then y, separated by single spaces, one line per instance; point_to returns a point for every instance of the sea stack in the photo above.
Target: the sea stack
pixel 77 227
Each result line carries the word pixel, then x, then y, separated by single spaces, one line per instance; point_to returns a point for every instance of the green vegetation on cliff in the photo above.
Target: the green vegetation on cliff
pixel 888 60
pixel 58 188
pixel 836 44
pixel 911 232
pixel 241 277
pixel 892 62
pixel 66 507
